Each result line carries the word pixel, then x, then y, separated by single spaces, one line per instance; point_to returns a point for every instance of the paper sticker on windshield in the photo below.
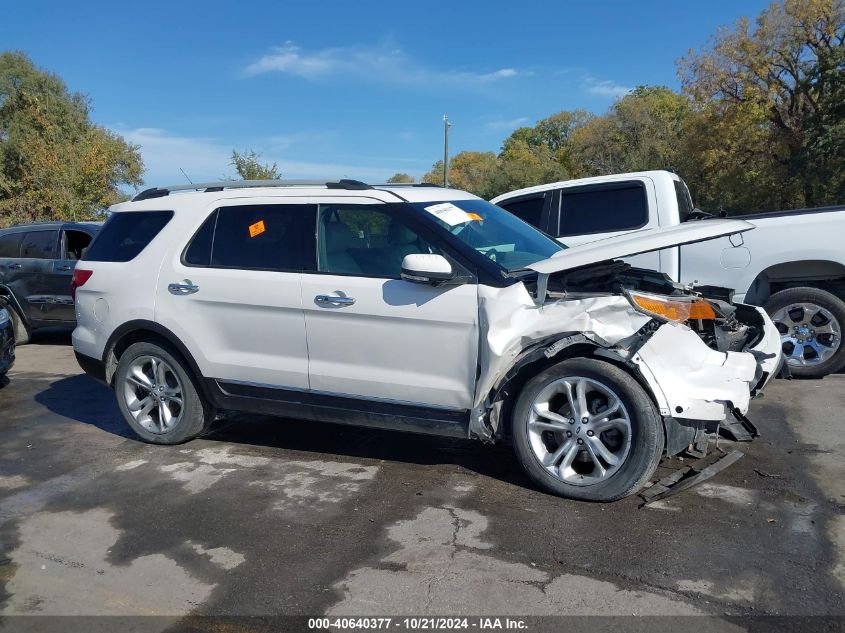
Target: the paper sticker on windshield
pixel 449 213
pixel 257 229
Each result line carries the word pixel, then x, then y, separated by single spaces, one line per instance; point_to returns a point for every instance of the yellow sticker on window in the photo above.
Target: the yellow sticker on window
pixel 257 229
pixel 474 216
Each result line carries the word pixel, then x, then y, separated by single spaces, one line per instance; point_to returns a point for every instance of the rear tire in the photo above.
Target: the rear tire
pixel 23 333
pixel 158 396
pixel 604 453
pixel 800 314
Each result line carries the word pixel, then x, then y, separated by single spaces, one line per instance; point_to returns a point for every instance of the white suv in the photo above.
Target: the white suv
pixel 413 308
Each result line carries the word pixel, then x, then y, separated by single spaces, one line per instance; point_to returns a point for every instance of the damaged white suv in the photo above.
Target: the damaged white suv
pixel 413 308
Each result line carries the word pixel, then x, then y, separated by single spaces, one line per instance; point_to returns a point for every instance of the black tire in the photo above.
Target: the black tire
pixel 646 432
pixel 196 414
pixel 829 302
pixel 23 333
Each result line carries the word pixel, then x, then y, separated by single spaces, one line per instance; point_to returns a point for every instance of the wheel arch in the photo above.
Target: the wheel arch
pixel 535 360
pixel 141 330
pixel 816 273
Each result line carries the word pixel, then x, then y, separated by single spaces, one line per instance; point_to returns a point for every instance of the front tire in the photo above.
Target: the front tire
pixel 585 429
pixel 158 397
pixel 810 322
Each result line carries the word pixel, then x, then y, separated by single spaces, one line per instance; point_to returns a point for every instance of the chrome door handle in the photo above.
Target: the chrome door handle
pixel 184 288
pixel 63 269
pixel 334 300
pixel 15 266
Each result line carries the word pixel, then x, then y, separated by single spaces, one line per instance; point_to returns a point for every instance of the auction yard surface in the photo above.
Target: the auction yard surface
pixel 270 516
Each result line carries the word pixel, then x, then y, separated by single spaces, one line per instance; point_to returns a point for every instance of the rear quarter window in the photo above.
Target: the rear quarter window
pixel 10 244
pixel 126 234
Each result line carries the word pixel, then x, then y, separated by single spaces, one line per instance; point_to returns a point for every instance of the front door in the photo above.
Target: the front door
pixel 233 297
pixel 374 336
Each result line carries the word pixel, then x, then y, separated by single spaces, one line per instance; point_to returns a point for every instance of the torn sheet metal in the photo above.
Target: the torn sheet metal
pixel 688 379
pixel 510 322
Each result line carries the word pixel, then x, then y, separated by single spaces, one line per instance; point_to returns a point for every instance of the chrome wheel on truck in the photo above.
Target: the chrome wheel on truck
pixel 585 428
pixel 579 430
pixel 810 323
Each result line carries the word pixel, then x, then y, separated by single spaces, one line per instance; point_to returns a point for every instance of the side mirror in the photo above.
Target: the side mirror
pixel 423 268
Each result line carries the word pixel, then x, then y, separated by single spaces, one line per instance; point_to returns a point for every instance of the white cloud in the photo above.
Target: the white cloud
pixel 606 88
pixel 506 124
pixel 207 159
pixel 378 64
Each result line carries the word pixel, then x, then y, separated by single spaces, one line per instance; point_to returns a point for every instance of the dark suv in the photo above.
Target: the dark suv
pixel 36 266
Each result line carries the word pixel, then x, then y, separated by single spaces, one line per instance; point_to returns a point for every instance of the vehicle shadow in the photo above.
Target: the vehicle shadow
pixel 51 336
pixel 328 439
pixel 83 399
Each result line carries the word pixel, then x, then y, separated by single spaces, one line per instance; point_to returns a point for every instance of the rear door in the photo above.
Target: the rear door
pixel 233 295
pixel 73 243
pixel 588 213
pixel 40 285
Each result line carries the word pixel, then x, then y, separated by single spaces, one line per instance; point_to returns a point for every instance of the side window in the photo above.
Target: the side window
pixel 527 209
pixel 74 244
pixel 126 234
pixel 256 237
pixel 602 209
pixel 10 245
pixel 40 245
pixel 365 240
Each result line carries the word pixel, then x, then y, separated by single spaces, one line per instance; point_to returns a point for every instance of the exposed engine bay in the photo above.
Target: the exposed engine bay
pixel 734 328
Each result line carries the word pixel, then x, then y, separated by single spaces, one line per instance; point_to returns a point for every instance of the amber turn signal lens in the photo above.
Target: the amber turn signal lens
pixel 673 309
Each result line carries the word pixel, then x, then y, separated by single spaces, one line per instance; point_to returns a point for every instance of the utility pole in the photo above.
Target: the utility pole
pixel 446 126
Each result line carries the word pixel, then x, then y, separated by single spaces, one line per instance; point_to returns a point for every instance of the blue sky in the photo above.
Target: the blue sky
pixel 349 89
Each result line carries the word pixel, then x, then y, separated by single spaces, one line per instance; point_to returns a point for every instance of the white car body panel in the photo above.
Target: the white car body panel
pixel 399 341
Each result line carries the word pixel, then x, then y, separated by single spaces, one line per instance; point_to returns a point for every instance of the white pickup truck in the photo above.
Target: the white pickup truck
pixel 793 263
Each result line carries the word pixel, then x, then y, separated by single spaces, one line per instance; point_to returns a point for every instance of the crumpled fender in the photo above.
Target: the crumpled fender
pixel 511 322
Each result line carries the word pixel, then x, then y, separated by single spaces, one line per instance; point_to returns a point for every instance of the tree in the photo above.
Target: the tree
pixel 776 86
pixel 642 130
pixel 55 163
pixel 249 167
pixel 401 178
pixel 470 171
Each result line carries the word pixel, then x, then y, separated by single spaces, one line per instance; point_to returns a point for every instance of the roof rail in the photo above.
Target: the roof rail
pixel 410 184
pixel 159 192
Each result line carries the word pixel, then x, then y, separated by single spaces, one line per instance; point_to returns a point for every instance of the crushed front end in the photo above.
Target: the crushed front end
pixel 701 356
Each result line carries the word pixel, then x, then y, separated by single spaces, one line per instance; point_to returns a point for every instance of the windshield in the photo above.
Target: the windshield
pixel 493 232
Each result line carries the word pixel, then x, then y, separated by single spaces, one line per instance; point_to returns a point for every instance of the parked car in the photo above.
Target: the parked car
pixel 7 344
pixel 413 308
pixel 793 263
pixel 36 267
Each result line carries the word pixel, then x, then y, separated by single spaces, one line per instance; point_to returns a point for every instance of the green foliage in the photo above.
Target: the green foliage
pixel 760 123
pixel 401 178
pixel 55 163
pixel 249 167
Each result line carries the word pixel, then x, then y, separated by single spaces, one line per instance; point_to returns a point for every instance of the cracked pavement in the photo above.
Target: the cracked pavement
pixel 274 516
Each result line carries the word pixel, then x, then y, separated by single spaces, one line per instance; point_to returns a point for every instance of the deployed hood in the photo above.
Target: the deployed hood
pixel 636 242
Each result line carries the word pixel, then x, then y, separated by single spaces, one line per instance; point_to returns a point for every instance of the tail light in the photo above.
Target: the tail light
pixel 79 278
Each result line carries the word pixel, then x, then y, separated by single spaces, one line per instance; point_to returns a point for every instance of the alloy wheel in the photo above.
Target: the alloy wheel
pixel 810 334
pixel 153 394
pixel 579 430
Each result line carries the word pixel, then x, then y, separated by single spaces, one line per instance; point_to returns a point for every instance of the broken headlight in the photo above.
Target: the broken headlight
pixel 666 308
